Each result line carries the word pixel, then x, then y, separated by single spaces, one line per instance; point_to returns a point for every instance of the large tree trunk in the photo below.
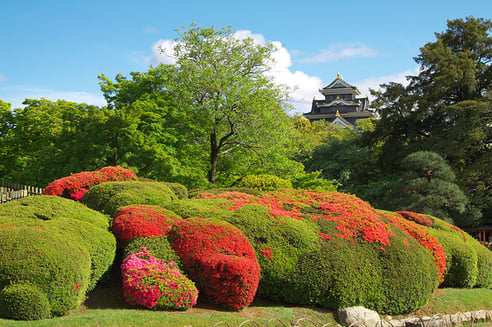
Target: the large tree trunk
pixel 214 154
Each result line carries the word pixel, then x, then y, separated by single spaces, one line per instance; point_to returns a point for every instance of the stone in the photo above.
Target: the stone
pixel 358 317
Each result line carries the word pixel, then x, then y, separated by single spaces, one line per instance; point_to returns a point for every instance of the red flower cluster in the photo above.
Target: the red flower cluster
pixel 142 220
pixel 219 258
pixel 416 217
pixel 83 181
pixel 281 203
pixel 353 216
pixel 423 237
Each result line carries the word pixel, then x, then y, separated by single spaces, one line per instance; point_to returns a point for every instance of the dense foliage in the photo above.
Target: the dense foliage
pixel 265 182
pixel 63 254
pixel 110 196
pixel 445 109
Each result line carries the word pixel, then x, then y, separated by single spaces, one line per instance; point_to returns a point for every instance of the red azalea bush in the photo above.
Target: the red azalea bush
pixel 76 185
pixel 142 221
pixel 423 237
pixel 155 284
pixel 331 231
pixel 219 258
pixel 418 218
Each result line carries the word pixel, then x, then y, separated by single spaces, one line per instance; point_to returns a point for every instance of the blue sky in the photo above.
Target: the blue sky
pixel 56 49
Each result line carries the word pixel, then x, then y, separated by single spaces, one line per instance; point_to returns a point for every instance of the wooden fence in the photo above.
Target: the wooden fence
pixel 12 191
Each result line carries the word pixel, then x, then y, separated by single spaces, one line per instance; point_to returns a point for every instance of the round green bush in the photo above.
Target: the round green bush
pixel 49 207
pixel 204 208
pixel 110 196
pixel 159 248
pixel 461 259
pixel 59 267
pixel 85 227
pixel 265 182
pixel 24 301
pixel 179 189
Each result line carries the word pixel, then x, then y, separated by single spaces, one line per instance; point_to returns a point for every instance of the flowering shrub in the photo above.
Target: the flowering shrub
pixel 142 221
pixel 415 217
pixel 155 284
pixel 79 183
pixel 423 237
pixel 356 254
pixel 219 258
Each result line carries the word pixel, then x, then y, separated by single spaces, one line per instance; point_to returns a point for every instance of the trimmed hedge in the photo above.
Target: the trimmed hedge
pixel 76 185
pixel 24 301
pixel 46 207
pixel 265 182
pixel 136 220
pixel 57 266
pixel 83 226
pixel 469 264
pixel 220 260
pixel 66 249
pixel 110 196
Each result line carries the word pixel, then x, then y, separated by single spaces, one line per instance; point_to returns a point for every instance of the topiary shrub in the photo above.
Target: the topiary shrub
pixel 155 284
pixel 265 182
pixel 59 267
pixel 74 186
pixel 203 208
pixel 218 257
pixel 24 301
pixel 158 247
pixel 45 207
pixel 86 227
pixel 179 189
pixel 137 220
pixel 110 196
pixel 464 265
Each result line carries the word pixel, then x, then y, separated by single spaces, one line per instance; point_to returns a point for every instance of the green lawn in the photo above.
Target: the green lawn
pixel 106 308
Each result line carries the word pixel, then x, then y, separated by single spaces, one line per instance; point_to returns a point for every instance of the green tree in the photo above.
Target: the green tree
pixel 238 113
pixel 427 185
pixel 445 109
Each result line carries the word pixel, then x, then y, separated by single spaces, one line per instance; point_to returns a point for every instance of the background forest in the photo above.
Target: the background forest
pixel 215 117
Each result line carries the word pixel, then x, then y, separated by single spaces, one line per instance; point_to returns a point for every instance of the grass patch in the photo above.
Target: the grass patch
pixel 453 300
pixel 105 307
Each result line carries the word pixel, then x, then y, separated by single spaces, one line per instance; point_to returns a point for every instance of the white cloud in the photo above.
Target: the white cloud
pixel 374 82
pixel 17 94
pixel 341 51
pixel 303 86
pixel 151 30
pixel 3 78
pixel 163 52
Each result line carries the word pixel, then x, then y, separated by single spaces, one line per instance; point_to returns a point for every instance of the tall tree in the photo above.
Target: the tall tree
pixel 219 80
pixel 445 108
pixel 427 185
